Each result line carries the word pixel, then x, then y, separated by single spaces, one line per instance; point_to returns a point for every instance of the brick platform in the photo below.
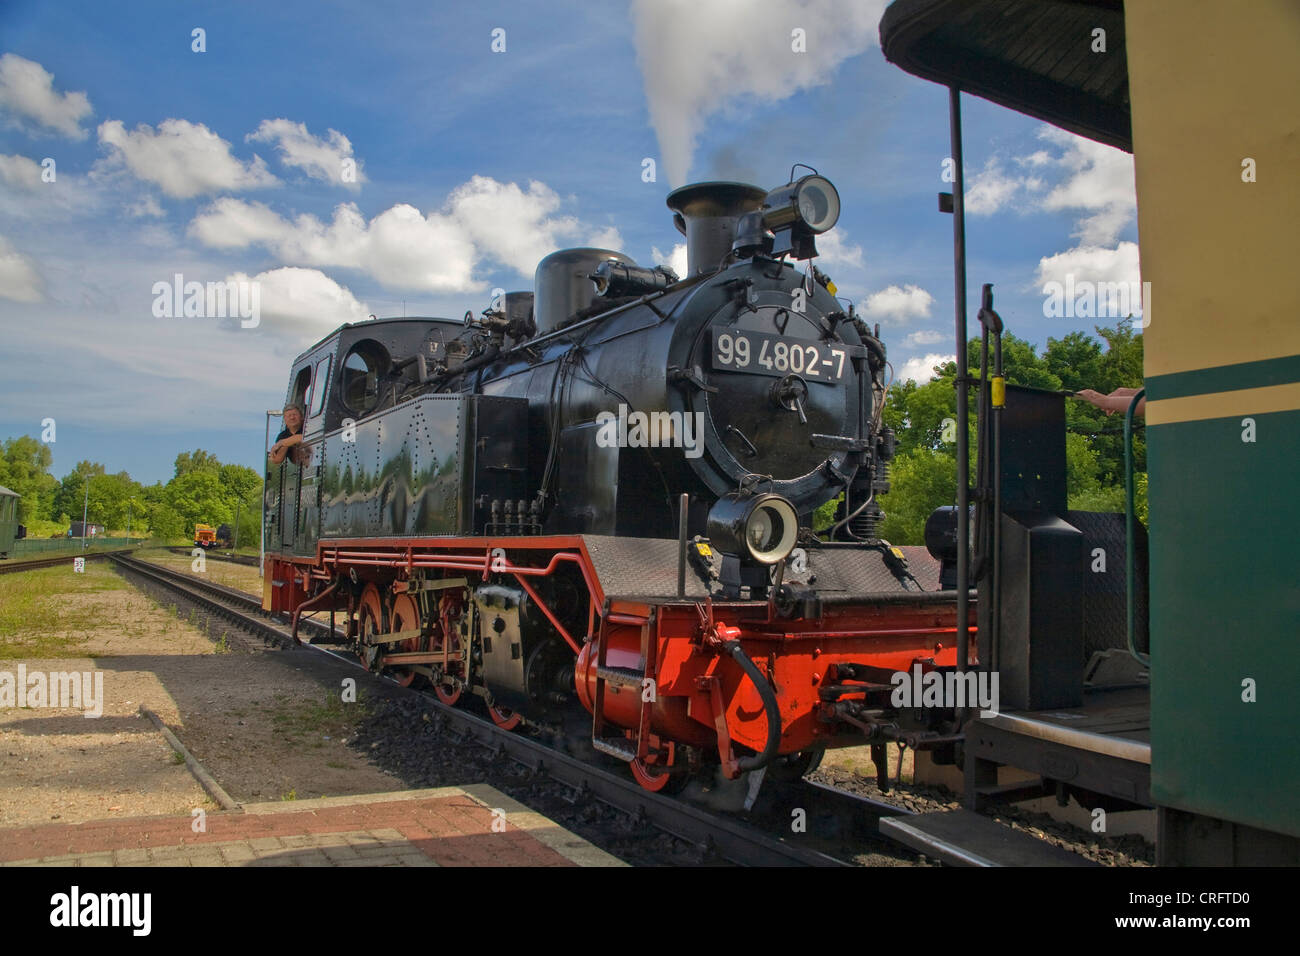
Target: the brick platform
pixel 449 826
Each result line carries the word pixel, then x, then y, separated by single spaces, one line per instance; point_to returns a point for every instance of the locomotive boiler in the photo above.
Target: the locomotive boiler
pixel 597 501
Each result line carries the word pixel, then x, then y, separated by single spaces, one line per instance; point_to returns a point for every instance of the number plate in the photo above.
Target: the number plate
pixel 761 353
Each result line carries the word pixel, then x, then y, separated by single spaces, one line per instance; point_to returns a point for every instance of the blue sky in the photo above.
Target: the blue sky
pixel 471 164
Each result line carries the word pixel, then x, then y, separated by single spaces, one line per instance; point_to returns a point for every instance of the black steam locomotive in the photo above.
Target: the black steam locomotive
pixel 619 445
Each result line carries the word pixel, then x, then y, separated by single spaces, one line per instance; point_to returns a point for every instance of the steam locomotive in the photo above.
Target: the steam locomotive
pixel 593 505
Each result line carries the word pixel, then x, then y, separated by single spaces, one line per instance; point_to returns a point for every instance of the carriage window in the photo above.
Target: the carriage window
pixel 318 396
pixel 301 388
pixel 363 367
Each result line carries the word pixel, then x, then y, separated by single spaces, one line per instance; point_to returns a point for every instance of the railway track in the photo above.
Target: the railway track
pixel 833 816
pixel 13 567
pixel 229 557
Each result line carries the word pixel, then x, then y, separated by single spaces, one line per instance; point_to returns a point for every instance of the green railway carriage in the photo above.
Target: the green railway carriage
pixel 1216 149
pixel 1205 96
pixel 10 530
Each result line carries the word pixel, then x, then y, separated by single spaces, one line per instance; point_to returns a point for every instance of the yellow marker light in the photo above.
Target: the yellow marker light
pixel 999 391
pixel 830 287
pixel 898 554
pixel 704 550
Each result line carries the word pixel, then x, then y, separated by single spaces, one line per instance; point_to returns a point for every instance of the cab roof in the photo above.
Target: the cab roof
pixel 370 323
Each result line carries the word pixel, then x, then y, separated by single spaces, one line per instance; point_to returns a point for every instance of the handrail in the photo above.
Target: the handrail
pixel 1129 518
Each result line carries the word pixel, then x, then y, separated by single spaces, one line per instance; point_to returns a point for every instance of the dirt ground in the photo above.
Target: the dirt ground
pixel 240 576
pixel 264 730
pixel 858 760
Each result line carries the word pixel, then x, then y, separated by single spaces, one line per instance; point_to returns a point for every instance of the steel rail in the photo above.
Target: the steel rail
pixel 246 559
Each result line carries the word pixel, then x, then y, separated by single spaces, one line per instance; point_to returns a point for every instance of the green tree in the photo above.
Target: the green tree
pixel 923 416
pixel 25 470
pixel 71 497
pixel 197 460
pixel 250 517
pixel 239 481
pixel 197 496
pixel 920 481
pixel 165 522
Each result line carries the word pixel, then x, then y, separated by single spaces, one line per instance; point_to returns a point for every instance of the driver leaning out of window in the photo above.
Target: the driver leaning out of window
pixel 289 443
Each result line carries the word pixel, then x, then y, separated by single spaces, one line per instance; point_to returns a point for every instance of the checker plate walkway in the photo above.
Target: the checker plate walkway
pixel 449 826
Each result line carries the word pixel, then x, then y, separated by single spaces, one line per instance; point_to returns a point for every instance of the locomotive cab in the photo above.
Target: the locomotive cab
pixel 356 372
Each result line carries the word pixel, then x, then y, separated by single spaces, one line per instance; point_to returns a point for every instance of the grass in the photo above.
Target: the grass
pixel 42 615
pixel 301 720
pixel 178 757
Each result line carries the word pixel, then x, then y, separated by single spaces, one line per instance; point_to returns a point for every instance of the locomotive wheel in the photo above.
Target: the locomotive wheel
pixel 655 776
pixel 504 718
pixel 792 767
pixel 404 617
pixel 447 694
pixel 370 621
pixel 651 778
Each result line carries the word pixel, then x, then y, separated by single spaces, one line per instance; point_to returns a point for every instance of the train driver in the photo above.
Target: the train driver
pixel 289 442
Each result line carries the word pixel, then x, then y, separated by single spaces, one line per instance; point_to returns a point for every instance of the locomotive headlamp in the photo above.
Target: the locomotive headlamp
pixel 810 204
pixel 758 528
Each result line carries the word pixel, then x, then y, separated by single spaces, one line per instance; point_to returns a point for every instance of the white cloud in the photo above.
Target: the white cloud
pixel 318 158
pixel 183 159
pixel 1092 264
pixel 697 58
pixel 990 189
pixel 1038 158
pixel 514 226
pixel 921 368
pixel 24 194
pixel 606 238
pixel 675 260
pixel 234 223
pixel 19 279
pixel 907 302
pixel 399 247
pixel 834 249
pixel 146 207
pixel 19 172
pixel 27 93
pixel 1101 179
pixel 304 298
pixel 405 249
pixel 924 337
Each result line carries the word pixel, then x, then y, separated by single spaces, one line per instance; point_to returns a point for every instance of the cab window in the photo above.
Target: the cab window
pixel 363 368
pixel 318 394
pixel 301 388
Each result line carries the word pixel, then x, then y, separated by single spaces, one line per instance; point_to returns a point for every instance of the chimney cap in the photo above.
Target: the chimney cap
pixel 716 198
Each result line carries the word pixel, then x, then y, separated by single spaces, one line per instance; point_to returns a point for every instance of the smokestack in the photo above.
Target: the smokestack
pixel 706 214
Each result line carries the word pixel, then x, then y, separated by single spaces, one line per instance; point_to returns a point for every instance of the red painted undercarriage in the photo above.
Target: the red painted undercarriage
pixel 528 623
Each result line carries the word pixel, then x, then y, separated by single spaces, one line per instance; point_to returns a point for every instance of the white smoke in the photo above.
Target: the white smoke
pixel 696 56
